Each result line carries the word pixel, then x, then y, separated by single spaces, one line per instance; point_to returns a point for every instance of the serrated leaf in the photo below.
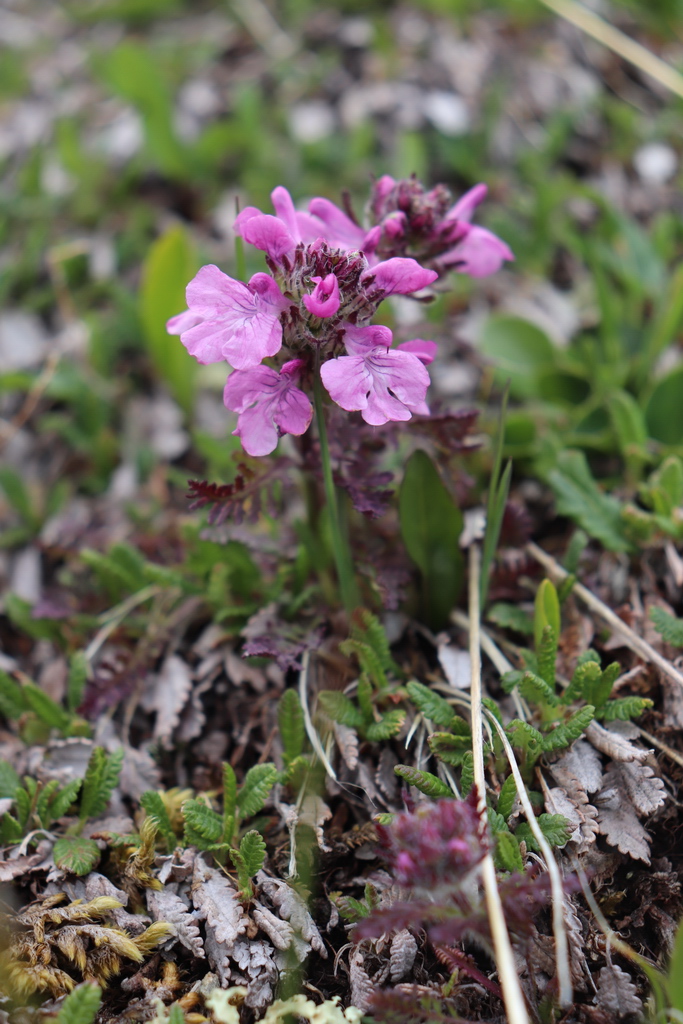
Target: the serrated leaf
pixel 43 799
pixel 351 909
pixel 13 702
pixel 546 653
pixel 510 616
pixel 202 821
pixel 579 497
pixel 253 850
pixel 46 708
pixel 370 662
pixel 623 709
pixel 507 797
pixel 76 854
pixel 524 737
pixel 668 626
pixel 76 680
pixel 555 827
pixel 10 830
pixel 254 791
pixel 229 802
pixel 155 808
pixel 449 747
pixel 9 781
pixel 569 730
pixel 536 689
pixel 62 801
pixel 507 855
pixel 81 1005
pixel 467 774
pixel 427 783
pixel 101 777
pixel 340 709
pixel 389 725
pixel 290 718
pixel 432 706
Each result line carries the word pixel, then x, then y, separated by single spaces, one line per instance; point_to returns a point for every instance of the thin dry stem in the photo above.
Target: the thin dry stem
pixel 308 721
pixel 559 930
pixel 500 662
pixel 507 972
pixel 619 43
pixel 631 639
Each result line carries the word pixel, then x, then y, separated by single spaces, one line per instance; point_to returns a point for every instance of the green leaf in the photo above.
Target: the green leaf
pixel 101 777
pixel 46 708
pixel 507 855
pixel 76 680
pixel 351 909
pixel 587 676
pixel 664 488
pixel 369 660
pixel 524 737
pixel 63 800
pixel 449 747
pixel 253 850
pixel 570 730
pixel 507 797
pixel 229 801
pixel 510 616
pixel 431 524
pixel 364 693
pixel 76 854
pixel 431 704
pixel 155 808
pixel 340 709
pixel 578 496
pixel 546 614
pixel 169 266
pixel 44 792
pixel 290 718
pixel 628 423
pixel 18 496
pixel 389 725
pixel 13 701
pixel 555 828
pixel 202 821
pixel 176 1014
pixel 664 410
pixel 668 626
pixel 623 709
pixel 9 781
pixel 254 791
pixel 520 350
pixel 10 830
pixel 81 1005
pixel 675 973
pixel 427 783
pixel 467 774
pixel 536 689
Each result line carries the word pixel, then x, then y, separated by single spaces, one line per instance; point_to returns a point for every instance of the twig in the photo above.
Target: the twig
pixel 507 972
pixel 559 930
pixel 619 43
pixel 669 751
pixel 500 662
pixel 631 639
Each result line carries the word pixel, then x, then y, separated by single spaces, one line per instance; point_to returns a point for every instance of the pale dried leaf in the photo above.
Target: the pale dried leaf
pixel 645 791
pixel 456 665
pixel 362 986
pixel 314 812
pixel 402 954
pixel 98 885
pixel 218 954
pixel 385 776
pixel 240 672
pixel 347 741
pixel 278 931
pixel 619 824
pixel 617 993
pixel 615 745
pixel 216 901
pixel 581 815
pixel 293 909
pixel 256 965
pixel 578 965
pixel 16 867
pixel 193 716
pixel 167 906
pixel 581 765
pixel 168 696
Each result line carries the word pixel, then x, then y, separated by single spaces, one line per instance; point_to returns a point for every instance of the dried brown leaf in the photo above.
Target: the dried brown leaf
pixel 617 993
pixel 293 909
pixel 614 744
pixel 168 906
pixel 258 970
pixel 168 696
pixel 402 954
pixel 619 824
pixel 645 791
pixel 362 986
pixel 579 769
pixel 581 814
pixel 347 741
pixel 278 931
pixel 216 902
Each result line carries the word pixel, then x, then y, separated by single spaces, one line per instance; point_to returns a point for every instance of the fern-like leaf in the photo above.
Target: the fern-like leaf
pixel 427 783
pixel 202 822
pixel 555 828
pixel 467 774
pixel 339 708
pixel 507 797
pixel 254 791
pixel 229 801
pixel 569 730
pixel 46 708
pixel 290 719
pixel 76 854
pixel 12 699
pixel 623 709
pixel 101 777
pixel 546 652
pixel 451 747
pixel 156 809
pixel 524 737
pixel 253 850
pixel 62 801
pixel 9 781
pixel 81 1005
pixel 76 680
pixel 668 626
pixel 389 725
pixel 432 706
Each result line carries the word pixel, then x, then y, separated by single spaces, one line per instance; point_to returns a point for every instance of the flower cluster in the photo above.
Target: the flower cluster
pixel 437 846
pixel 312 313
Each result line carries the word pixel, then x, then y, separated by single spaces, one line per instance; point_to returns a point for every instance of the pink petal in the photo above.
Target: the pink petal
pixel 266 288
pixel 479 254
pixel 182 322
pixel 424 350
pixel 342 232
pixel 257 431
pixel 347 381
pixel 266 400
pixel 294 412
pixel 211 292
pixel 246 386
pixel 360 340
pixel 324 300
pixel 268 234
pixel 399 275
pixel 467 204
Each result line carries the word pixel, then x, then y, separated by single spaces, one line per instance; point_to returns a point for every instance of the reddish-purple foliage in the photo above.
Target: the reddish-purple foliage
pixel 243 498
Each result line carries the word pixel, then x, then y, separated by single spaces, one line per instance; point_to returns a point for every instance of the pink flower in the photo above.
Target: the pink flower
pixel 398 276
pixel 269 404
pixel 230 320
pixel 279 234
pixel 338 229
pixel 382 383
pixel 479 253
pixel 324 300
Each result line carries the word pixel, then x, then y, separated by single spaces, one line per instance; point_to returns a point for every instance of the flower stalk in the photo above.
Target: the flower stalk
pixel 340 549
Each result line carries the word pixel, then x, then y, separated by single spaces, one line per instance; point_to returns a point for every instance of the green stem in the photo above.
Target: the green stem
pixel 347 583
